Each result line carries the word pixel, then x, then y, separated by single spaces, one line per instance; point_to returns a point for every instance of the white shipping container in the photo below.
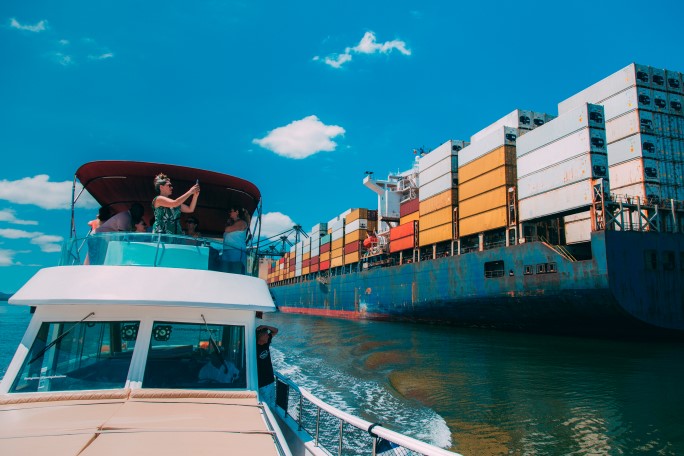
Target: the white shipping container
pixel 577 228
pixel 440 153
pixel 575 196
pixel 358 224
pixel 583 167
pixel 337 234
pixel 298 271
pixel 437 186
pixel 632 172
pixel 435 172
pixel 446 165
pixel 631 75
pixel 503 136
pixel 517 119
pixel 639 190
pixel 584 116
pixel 658 79
pixel 578 143
pixel 632 147
pixel 539 119
pixel 636 121
pixel 625 101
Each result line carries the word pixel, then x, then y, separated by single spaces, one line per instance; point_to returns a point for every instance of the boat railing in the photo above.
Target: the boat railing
pixel 339 433
pixel 157 250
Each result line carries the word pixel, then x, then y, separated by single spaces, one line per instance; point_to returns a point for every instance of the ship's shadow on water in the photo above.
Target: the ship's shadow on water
pixel 498 392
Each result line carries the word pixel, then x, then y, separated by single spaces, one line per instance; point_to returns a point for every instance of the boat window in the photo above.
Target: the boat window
pixel 651 260
pixel 668 260
pixel 494 269
pixel 188 355
pixel 82 355
pixel 528 269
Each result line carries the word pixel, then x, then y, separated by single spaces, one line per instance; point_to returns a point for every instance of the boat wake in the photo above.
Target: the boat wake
pixel 367 399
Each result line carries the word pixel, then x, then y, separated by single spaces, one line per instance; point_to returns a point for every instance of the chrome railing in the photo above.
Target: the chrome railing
pixel 339 433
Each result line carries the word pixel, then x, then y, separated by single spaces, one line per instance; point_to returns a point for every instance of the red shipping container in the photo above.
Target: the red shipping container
pixel 306 262
pixel 324 265
pixel 292 263
pixel 402 231
pixel 314 260
pixel 351 248
pixel 325 248
pixel 402 244
pixel 409 207
pixel 314 268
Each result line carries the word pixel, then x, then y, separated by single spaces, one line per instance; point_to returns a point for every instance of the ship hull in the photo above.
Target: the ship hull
pixel 629 287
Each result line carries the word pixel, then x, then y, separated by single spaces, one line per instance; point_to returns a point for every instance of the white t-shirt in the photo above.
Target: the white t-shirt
pixel 119 222
pixel 223 374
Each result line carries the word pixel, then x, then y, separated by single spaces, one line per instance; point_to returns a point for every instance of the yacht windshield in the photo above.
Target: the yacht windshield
pixel 69 356
pixel 184 355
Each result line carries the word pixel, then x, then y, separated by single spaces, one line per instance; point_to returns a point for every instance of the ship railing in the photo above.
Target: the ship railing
pixel 157 250
pixel 339 433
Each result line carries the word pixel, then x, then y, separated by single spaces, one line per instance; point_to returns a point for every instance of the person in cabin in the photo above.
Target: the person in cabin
pixel 264 335
pixel 191 226
pixel 234 255
pixel 218 370
pixel 141 226
pixel 123 221
pixel 102 216
pixel 167 210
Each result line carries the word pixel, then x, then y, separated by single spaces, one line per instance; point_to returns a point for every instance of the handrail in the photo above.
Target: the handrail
pixel 374 429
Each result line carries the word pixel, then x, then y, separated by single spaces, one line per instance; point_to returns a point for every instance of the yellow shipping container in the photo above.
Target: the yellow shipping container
pixel 336 253
pixel 355 236
pixel 306 255
pixel 351 258
pixel 305 270
pixel 440 217
pixel 490 220
pixel 337 243
pixel 439 201
pixel 503 175
pixel 504 155
pixel 355 215
pixel 482 203
pixel 412 217
pixel 291 275
pixel 437 234
pixel 336 262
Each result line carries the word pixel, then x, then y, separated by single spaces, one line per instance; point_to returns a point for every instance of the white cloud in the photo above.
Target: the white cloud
pixel 39 27
pixel 301 138
pixel 47 243
pixel 64 42
pixel 63 59
pixel 274 223
pixel 39 191
pixel 8 215
pixel 7 257
pixel 367 45
pixel 104 56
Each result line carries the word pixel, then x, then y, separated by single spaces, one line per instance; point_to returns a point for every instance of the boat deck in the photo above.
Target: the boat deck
pixel 135 421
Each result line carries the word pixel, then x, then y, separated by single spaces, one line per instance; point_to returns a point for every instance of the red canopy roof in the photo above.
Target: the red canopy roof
pixel 117 184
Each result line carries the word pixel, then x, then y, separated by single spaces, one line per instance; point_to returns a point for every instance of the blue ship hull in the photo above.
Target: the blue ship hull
pixel 631 286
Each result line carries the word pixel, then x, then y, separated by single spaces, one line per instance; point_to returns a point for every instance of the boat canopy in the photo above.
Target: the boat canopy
pixel 118 184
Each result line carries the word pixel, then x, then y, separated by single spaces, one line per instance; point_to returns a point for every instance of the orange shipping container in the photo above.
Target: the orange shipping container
pixel 351 258
pixel 436 234
pixel 402 244
pixel 490 220
pixel 336 253
pixel 325 265
pixel 314 267
pixel 401 231
pixel 358 235
pixel 306 255
pixel 337 244
pixel 335 262
pixel 412 217
pixel 305 270
pixel 504 155
pixel 504 175
pixel 483 202
pixel 440 217
pixel 439 201
pixel 355 215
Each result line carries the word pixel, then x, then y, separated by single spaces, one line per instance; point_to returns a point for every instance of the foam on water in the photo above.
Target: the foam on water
pixel 365 398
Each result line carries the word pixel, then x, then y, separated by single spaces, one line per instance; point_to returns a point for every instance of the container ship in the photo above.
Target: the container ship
pixel 568 223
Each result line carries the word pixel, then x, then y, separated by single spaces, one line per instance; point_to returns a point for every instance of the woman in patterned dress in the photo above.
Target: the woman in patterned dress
pixel 167 210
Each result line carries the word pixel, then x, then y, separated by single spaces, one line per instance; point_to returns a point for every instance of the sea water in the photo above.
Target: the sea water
pixel 478 392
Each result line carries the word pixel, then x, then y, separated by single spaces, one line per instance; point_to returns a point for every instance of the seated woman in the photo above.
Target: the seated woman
pixel 234 255
pixel 167 210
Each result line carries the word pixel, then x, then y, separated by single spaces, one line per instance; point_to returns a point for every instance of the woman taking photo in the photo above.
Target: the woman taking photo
pixel 167 210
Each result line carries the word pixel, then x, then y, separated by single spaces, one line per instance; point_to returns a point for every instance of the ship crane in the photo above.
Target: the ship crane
pixel 270 245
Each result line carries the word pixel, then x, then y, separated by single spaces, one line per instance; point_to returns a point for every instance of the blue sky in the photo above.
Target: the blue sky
pixel 300 98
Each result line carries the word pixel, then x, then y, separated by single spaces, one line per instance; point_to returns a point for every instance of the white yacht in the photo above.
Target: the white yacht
pixel 151 349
